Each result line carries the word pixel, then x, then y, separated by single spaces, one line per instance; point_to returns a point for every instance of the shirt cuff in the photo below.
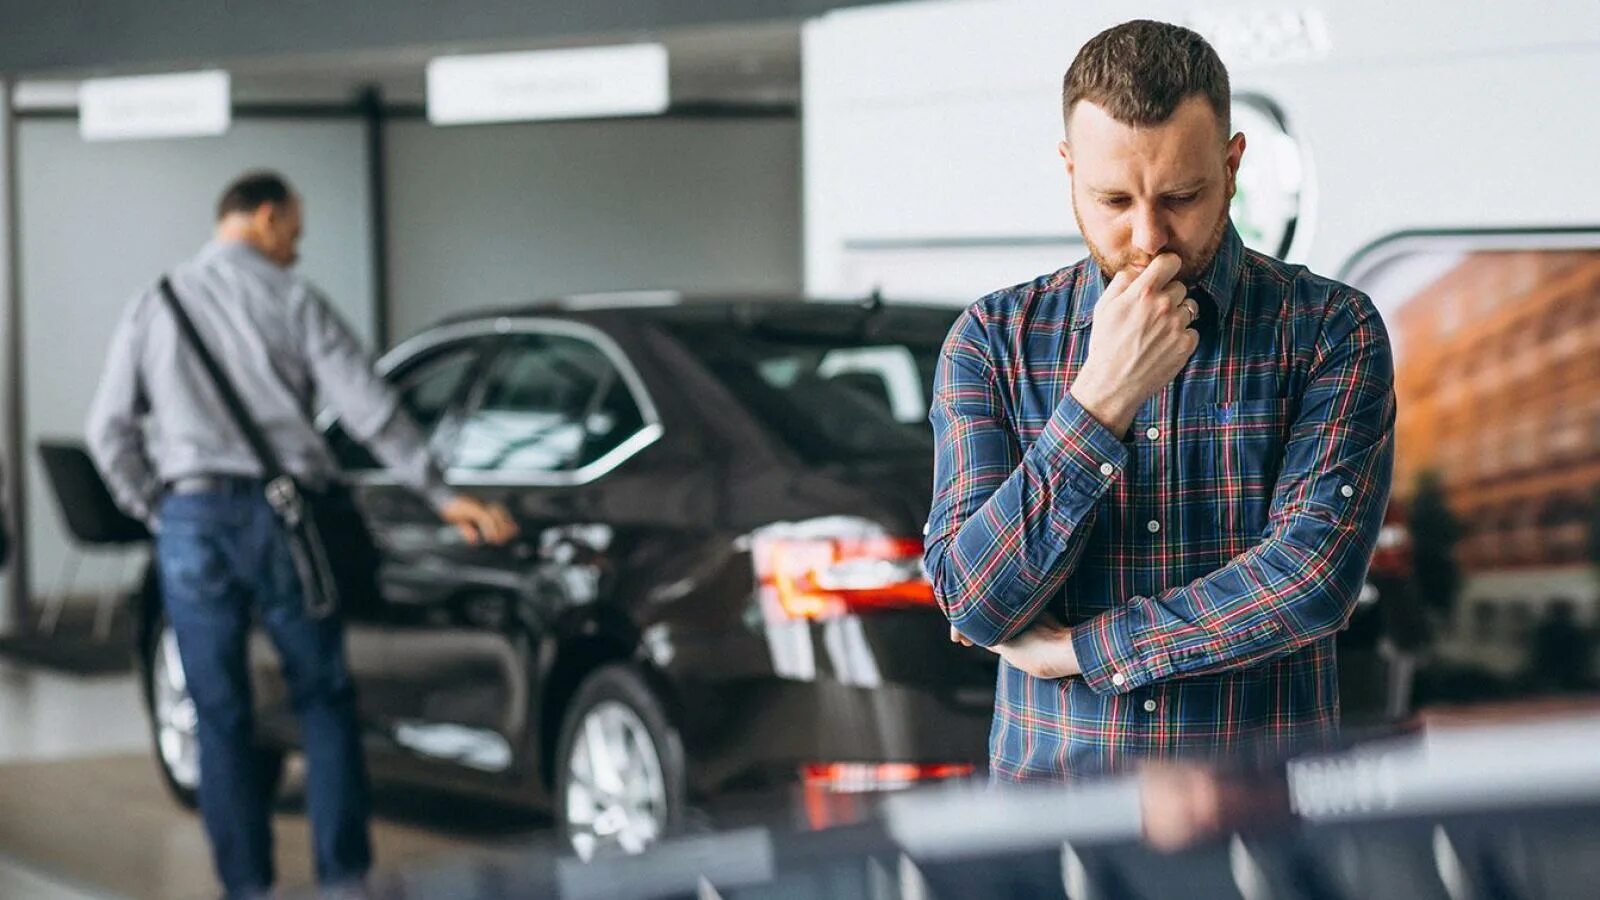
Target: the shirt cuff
pixel 1107 658
pixel 1075 443
pixel 439 495
pixel 146 505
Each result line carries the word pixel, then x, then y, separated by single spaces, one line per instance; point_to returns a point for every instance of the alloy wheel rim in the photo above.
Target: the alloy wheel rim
pixel 616 791
pixel 177 724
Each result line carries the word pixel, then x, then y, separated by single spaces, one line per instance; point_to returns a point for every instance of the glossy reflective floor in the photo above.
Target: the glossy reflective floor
pixel 50 716
pixel 83 812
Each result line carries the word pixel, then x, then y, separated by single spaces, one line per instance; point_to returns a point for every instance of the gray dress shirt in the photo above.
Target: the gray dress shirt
pixel 157 418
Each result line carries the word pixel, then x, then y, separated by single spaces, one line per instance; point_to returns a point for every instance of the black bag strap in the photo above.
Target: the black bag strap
pixel 271 469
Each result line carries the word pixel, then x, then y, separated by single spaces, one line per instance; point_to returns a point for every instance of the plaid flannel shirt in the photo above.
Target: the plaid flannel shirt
pixel 1206 559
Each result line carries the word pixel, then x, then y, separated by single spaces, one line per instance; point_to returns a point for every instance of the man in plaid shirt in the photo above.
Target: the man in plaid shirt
pixel 1160 471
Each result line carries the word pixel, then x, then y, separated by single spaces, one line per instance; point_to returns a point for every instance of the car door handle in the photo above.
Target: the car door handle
pixel 451 536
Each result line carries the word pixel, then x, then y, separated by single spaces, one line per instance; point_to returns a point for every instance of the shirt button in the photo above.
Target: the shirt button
pixel 1149 706
pixel 1347 491
pixel 1107 468
pixel 1153 433
pixel 1152 526
pixel 1119 679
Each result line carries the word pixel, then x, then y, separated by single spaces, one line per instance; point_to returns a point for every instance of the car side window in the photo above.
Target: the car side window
pixel 548 403
pixel 427 391
pixel 427 388
pixel 614 418
pixel 886 375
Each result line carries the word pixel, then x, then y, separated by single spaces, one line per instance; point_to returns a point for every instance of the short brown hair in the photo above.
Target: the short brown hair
pixel 1139 72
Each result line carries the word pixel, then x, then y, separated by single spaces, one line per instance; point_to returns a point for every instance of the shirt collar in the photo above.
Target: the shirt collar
pixel 1217 282
pixel 235 250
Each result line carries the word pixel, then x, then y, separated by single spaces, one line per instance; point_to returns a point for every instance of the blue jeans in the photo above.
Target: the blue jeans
pixel 222 555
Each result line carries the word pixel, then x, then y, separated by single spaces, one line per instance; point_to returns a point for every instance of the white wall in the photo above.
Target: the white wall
pixel 937 121
pixel 99 222
pixel 489 215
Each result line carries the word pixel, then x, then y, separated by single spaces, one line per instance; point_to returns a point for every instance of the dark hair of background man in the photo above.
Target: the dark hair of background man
pixel 249 191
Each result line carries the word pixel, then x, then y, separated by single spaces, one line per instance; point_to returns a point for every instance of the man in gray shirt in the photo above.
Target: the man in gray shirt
pixel 171 454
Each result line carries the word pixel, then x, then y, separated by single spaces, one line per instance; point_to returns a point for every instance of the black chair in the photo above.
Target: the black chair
pixel 93 520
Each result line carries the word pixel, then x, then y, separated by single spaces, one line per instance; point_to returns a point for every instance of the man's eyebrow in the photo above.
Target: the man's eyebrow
pixel 1193 184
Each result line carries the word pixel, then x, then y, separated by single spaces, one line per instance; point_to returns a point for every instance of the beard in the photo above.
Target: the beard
pixel 1193 264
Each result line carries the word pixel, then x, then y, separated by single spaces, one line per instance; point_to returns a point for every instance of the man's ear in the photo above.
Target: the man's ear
pixel 1234 155
pixel 264 217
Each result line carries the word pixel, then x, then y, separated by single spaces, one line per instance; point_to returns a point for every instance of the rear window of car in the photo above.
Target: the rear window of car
pixel 836 383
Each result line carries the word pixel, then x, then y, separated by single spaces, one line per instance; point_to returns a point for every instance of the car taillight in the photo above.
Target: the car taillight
pixel 858 778
pixel 840 793
pixel 820 577
pixel 1391 557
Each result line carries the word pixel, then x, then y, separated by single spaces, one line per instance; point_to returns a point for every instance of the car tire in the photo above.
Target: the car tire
pixel 620 772
pixel 173 733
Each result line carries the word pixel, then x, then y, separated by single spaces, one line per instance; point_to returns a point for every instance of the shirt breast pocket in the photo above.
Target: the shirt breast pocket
pixel 1245 450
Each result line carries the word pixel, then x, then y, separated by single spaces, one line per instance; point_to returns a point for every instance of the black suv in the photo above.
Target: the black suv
pixel 718 584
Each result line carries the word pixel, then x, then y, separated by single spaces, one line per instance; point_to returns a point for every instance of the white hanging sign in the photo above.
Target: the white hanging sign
pixel 187 104
pixel 587 82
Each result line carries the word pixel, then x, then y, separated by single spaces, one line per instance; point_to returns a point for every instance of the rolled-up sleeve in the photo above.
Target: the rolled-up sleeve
pixel 1300 583
pixel 368 407
pixel 1007 527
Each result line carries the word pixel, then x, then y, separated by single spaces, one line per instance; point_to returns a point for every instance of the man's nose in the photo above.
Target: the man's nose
pixel 1149 232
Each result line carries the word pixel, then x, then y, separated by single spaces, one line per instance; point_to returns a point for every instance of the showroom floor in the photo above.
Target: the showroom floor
pixel 84 814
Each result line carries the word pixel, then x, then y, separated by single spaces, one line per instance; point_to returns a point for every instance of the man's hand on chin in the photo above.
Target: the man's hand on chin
pixel 1043 651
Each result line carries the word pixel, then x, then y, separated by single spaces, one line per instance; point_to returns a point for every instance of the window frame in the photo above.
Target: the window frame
pixel 1374 254
pixel 1358 270
pixel 510 343
pixel 393 368
pixel 496 331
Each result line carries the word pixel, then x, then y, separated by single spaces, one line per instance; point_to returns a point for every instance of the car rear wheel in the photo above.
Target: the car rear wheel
pixel 621 781
pixel 174 724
